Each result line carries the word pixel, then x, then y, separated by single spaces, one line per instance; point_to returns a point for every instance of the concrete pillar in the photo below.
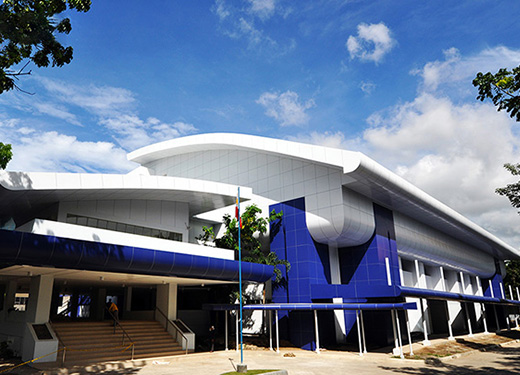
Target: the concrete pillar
pixel 316 331
pixel 421 280
pixel 40 296
pixel 226 328
pixel 408 331
pixel 335 278
pixel 468 318
pixel 128 299
pixel 167 299
pixel 10 292
pixel 450 319
pixel 101 297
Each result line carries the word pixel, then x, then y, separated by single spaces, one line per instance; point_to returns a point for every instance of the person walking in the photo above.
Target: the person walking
pixel 114 311
pixel 212 338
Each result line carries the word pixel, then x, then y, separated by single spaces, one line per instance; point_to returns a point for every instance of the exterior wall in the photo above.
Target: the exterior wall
pixel 78 232
pixel 165 215
pixel 292 241
pixel 336 215
pixel 418 241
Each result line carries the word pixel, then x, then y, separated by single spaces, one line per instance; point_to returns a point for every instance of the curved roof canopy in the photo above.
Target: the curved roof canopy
pixel 360 174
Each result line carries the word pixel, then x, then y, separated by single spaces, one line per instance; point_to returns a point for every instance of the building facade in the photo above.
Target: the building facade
pixel 353 232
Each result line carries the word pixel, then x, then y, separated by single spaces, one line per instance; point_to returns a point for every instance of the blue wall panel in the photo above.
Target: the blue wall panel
pixel 309 265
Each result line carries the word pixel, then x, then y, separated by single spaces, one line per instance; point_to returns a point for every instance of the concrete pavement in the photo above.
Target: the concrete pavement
pixel 501 360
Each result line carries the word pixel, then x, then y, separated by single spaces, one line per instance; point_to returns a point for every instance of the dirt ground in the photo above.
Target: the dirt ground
pixel 480 342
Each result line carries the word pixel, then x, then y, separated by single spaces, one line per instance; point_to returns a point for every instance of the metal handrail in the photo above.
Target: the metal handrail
pixel 177 329
pixel 59 341
pixel 124 333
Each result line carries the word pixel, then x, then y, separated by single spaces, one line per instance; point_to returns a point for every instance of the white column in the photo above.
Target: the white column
pixel 465 304
pixel 511 292
pixel 424 304
pixel 166 299
pixel 484 315
pixel 395 350
pixel 359 333
pixel 517 294
pixel 316 331
pixel 40 296
pixel 408 331
pixel 277 334
pixel 237 330
pixel 363 331
pixel 448 315
pixel 226 328
pixel 270 329
pixel 401 354
pixel 335 278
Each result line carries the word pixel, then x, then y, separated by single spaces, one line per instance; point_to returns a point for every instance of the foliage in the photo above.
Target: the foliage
pixel 512 273
pixel 5 155
pixel 511 191
pixel 253 227
pixel 503 88
pixel 28 30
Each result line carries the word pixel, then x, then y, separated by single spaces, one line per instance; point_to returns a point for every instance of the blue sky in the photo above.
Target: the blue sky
pixel 389 78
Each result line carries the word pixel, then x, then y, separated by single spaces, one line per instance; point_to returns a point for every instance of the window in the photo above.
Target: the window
pixel 20 301
pixel 121 227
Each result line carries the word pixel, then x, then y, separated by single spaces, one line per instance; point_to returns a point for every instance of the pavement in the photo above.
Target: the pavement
pixel 500 360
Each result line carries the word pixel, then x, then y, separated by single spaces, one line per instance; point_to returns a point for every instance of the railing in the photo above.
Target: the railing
pixel 124 333
pixel 177 330
pixel 60 342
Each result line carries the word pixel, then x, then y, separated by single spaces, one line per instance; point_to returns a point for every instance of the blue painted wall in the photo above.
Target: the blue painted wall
pixel 309 261
pixel 363 272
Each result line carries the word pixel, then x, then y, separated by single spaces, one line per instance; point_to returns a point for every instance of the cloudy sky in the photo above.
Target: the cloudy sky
pixel 389 78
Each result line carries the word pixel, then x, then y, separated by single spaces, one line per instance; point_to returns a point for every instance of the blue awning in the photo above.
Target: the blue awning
pixel 19 248
pixel 437 294
pixel 317 306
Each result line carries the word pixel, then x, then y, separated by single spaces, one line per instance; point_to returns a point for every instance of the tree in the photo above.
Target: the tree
pixel 512 273
pixel 253 227
pixel 503 88
pixel 5 155
pixel 28 31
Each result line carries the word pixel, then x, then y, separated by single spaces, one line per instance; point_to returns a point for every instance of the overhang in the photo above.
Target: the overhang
pixel 24 193
pixel 19 248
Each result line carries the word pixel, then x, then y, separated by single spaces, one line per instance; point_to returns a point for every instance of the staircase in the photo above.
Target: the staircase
pixel 90 342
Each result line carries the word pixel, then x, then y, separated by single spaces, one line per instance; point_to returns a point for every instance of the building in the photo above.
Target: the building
pixel 355 234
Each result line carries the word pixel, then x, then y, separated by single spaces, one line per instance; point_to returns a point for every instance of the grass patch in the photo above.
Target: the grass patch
pixel 250 372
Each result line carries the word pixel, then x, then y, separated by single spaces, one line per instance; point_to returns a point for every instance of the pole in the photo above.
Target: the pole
pixel 240 279
pixel 226 324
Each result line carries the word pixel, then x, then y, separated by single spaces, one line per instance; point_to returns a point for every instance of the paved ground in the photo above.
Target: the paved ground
pixel 503 360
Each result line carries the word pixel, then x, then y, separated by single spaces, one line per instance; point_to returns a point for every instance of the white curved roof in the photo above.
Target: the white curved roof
pixel 361 174
pixel 20 189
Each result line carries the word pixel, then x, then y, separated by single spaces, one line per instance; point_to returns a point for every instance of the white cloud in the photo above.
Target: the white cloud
pixel 262 8
pixel 241 22
pixel 99 100
pixel 57 111
pixel 286 107
pixel 453 151
pixel 131 132
pixel 367 87
pixel 50 151
pixel 372 42
pixel 457 70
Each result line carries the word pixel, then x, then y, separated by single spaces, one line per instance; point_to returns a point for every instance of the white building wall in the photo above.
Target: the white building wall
pixel 335 215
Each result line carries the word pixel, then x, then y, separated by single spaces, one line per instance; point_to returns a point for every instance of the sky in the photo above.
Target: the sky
pixel 391 79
